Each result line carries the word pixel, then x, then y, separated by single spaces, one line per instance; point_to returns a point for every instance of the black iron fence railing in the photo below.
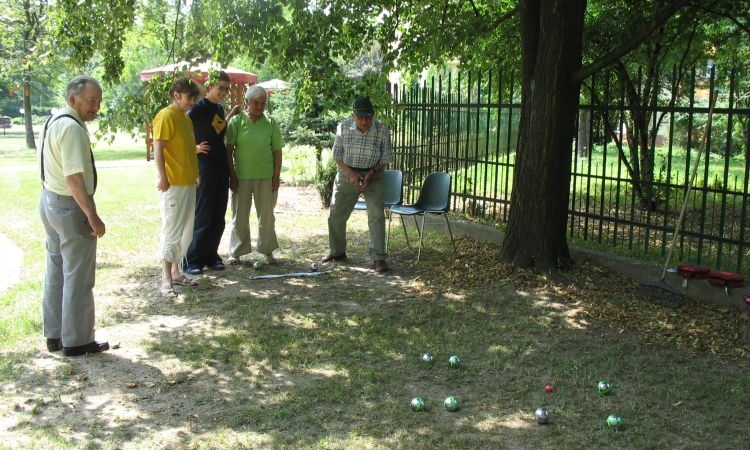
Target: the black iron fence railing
pixel 630 166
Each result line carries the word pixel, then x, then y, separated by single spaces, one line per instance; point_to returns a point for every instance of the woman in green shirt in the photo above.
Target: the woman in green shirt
pixel 254 146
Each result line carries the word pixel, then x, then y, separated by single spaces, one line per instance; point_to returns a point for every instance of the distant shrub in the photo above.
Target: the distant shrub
pixel 325 174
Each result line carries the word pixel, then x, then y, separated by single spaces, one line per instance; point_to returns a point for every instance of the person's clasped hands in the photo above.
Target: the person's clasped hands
pixel 359 181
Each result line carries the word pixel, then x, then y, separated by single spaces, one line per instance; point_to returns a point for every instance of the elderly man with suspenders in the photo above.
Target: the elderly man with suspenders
pixel 71 222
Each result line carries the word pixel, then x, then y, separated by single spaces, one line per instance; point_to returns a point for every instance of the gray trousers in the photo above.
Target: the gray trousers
pixel 68 305
pixel 344 197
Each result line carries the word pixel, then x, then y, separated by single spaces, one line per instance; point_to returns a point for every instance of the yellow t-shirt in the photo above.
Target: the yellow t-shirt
pixel 180 157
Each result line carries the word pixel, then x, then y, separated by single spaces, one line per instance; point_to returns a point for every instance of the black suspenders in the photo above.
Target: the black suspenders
pixel 44 138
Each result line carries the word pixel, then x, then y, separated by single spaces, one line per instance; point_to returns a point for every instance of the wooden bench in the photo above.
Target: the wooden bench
pixel 4 123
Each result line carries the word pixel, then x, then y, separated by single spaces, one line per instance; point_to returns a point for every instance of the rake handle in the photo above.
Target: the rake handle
pixel 704 144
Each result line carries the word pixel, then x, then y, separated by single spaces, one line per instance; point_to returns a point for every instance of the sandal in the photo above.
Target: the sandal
pixel 167 290
pixel 184 280
pixel 232 261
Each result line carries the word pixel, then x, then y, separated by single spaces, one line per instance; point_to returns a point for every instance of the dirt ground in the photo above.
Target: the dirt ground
pixel 135 397
pixel 130 390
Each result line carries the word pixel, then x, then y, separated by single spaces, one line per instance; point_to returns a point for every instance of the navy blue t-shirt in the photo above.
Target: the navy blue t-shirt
pixel 209 125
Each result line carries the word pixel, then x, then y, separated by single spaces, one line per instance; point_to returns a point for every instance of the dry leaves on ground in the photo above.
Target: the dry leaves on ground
pixel 607 296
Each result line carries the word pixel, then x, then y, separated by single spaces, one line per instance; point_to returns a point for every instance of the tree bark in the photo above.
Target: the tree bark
pixel 29 126
pixel 551 40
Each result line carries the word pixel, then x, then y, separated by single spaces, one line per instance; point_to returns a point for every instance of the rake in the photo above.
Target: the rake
pixel 659 291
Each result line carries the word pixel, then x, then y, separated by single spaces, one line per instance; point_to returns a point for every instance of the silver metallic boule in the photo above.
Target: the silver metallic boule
pixel 541 415
pixel 314 267
pixel 427 357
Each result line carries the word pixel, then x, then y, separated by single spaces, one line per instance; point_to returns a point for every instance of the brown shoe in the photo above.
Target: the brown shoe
pixel 330 258
pixel 381 266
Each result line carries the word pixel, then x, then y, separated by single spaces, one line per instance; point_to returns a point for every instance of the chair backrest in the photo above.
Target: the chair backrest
pixel 435 193
pixel 392 187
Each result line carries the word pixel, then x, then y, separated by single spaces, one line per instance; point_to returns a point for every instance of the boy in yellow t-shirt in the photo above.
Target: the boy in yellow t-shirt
pixel 177 165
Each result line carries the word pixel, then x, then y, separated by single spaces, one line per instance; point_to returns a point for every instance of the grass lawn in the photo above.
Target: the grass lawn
pixel 333 361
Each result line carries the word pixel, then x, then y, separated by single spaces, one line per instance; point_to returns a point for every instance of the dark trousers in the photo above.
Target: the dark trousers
pixel 210 212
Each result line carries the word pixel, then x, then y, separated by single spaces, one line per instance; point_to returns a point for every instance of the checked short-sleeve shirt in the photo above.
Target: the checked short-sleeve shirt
pixel 362 150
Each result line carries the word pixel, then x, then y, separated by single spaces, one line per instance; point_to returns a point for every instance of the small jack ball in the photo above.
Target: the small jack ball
pixel 548 388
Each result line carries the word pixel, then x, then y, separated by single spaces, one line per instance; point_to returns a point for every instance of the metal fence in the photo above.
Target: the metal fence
pixel 467 125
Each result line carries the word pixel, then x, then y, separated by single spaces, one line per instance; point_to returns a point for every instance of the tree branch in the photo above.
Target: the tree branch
pixel 637 38
pixel 727 14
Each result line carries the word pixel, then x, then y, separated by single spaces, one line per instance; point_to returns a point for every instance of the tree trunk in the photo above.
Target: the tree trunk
pixel 551 39
pixel 29 126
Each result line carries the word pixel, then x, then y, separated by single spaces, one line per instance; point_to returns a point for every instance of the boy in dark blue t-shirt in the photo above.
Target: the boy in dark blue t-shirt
pixel 209 125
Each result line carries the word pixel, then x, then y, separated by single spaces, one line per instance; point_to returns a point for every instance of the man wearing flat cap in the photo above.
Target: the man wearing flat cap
pixel 362 149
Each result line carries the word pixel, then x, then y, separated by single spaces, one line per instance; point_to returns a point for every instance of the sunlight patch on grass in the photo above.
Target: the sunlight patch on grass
pixel 297 320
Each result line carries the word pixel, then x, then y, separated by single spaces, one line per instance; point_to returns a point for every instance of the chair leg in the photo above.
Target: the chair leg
pixel 406 235
pixel 388 233
pixel 450 232
pixel 421 236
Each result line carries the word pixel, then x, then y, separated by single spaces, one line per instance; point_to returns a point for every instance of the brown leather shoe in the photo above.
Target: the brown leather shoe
pixel 330 258
pixel 381 266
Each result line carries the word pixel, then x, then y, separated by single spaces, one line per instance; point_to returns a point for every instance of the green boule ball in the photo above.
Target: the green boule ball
pixel 614 421
pixel 454 361
pixel 417 404
pixel 604 387
pixel 450 404
pixel 257 265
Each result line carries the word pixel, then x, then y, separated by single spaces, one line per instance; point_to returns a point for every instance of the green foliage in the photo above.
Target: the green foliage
pixel 35 119
pixel 316 129
pixel 137 106
pixel 325 175
pixel 104 37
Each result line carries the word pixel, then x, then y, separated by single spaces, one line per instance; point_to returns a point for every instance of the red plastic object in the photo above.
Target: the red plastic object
pixel 692 271
pixel 726 279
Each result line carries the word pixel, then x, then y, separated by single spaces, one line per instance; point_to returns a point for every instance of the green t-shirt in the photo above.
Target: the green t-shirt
pixel 254 145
